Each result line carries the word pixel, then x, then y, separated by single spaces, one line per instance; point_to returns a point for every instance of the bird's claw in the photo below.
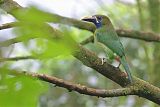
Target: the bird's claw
pixel 119 65
pixel 103 60
pixel 118 60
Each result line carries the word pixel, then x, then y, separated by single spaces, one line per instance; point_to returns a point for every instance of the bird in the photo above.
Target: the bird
pixel 106 36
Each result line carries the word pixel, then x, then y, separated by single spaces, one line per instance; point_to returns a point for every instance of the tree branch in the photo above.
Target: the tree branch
pixel 146 36
pixel 7 25
pixel 77 87
pixel 16 58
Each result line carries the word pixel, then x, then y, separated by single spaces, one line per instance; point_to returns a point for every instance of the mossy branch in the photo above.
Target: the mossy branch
pixel 77 87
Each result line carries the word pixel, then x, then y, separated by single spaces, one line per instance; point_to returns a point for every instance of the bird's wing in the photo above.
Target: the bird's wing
pixel 111 40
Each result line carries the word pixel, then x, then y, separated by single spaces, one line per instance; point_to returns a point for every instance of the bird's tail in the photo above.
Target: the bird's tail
pixel 126 67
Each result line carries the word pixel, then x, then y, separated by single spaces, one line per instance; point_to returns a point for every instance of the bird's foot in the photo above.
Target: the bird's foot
pixel 103 60
pixel 117 58
pixel 119 65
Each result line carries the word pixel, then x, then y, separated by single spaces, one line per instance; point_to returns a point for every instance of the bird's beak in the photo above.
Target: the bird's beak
pixel 88 19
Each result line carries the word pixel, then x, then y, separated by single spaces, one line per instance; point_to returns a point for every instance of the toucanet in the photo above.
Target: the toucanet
pixel 106 35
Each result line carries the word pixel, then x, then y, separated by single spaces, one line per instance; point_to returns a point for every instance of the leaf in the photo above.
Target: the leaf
pixel 19 91
pixel 49 42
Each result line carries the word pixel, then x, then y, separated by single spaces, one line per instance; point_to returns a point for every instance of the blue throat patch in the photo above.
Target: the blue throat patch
pixel 98 24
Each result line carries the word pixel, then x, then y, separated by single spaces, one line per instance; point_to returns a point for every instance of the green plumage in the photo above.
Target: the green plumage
pixel 106 35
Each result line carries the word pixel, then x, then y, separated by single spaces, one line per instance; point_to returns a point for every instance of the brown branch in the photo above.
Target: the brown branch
pixel 146 36
pixel 9 5
pixel 16 58
pixel 77 87
pixel 7 25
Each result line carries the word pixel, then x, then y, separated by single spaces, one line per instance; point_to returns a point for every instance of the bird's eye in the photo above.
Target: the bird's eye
pixel 99 18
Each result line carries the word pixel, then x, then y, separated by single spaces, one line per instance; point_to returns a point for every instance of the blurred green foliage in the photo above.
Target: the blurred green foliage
pixel 54 59
pixel 49 42
pixel 19 91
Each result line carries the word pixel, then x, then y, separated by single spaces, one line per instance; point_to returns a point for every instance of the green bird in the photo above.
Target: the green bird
pixel 105 35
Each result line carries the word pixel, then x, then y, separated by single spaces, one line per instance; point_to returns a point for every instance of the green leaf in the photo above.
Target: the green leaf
pixel 49 42
pixel 19 91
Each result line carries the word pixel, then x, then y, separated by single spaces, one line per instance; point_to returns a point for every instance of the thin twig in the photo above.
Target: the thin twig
pixel 90 39
pixel 16 58
pixel 7 25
